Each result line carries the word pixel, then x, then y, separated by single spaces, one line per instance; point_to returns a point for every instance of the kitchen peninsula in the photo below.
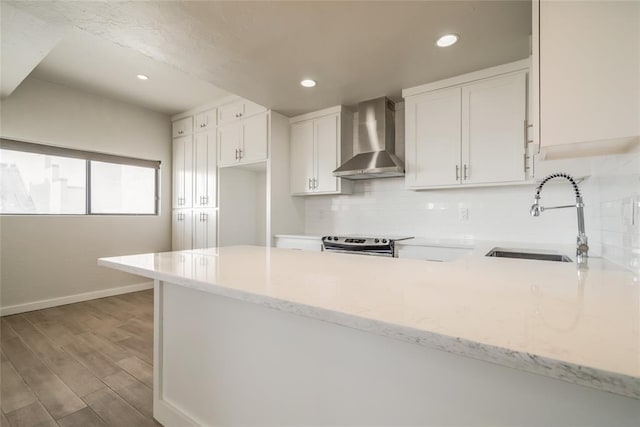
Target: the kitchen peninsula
pixel 251 335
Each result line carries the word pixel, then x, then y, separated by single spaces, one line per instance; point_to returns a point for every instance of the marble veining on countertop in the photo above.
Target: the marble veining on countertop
pixel 580 326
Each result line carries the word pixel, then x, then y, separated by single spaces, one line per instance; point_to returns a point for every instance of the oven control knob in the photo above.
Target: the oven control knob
pixel 384 240
pixel 377 240
pixel 335 238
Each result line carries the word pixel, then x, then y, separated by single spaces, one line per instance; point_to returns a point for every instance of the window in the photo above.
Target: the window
pixel 41 179
pixel 122 189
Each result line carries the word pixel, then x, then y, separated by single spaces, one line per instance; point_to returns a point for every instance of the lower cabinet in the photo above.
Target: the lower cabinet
pixel 204 228
pixel 303 243
pixel 194 229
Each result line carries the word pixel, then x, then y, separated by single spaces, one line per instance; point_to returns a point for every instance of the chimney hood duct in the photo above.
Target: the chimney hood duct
pixel 374 150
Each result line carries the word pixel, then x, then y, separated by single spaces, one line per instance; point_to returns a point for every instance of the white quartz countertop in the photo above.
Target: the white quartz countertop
pixel 543 317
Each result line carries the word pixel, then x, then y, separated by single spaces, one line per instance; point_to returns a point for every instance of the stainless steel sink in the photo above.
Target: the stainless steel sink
pixel 540 255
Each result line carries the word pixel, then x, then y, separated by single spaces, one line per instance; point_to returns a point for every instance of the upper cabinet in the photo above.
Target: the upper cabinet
pixel 243 141
pixel 588 54
pixel 182 127
pixel 206 120
pixel 468 130
pixel 238 110
pixel 319 142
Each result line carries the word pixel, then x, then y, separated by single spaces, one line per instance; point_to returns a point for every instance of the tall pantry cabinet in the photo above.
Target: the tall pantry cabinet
pixel 194 218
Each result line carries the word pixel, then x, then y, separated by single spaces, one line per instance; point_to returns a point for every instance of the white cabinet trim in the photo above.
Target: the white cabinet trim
pixel 468 78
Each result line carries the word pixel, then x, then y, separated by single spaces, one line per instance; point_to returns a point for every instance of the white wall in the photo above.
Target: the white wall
pixel 44 257
pixel 242 212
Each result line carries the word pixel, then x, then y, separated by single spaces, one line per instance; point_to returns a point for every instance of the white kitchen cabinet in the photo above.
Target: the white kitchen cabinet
pixel 493 130
pixel 182 127
pixel 469 130
pixel 589 84
pixel 206 120
pixel 327 137
pixel 205 169
pixel 243 141
pixel 432 138
pixel 204 228
pixel 302 156
pixel 319 142
pixel 182 229
pixel 254 138
pixel 302 243
pixel 182 172
pixel 238 110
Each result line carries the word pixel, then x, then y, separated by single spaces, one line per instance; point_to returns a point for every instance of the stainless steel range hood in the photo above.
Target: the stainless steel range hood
pixel 374 150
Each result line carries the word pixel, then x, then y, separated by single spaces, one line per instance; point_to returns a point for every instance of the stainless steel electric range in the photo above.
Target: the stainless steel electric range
pixel 364 245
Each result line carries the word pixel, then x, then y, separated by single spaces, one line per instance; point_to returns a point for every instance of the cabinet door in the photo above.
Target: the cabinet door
pixel 204 229
pixel 302 157
pixel 493 130
pixel 327 140
pixel 206 120
pixel 230 112
pixel 205 169
pixel 229 138
pixel 181 230
pixel 432 138
pixel 254 141
pixel 182 172
pixel 589 85
pixel 182 127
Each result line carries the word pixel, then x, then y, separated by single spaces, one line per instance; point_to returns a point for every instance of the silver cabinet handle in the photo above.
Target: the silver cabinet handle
pixel 465 172
pixel 457 173
pixel 526 134
pixel 315 185
pixel 309 187
pixel 236 154
pixel 205 217
pixel 240 154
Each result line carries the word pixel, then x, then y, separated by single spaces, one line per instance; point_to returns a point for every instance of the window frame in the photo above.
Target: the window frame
pixel 88 157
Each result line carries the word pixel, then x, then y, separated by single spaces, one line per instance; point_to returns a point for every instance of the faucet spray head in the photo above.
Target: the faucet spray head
pixel 536 209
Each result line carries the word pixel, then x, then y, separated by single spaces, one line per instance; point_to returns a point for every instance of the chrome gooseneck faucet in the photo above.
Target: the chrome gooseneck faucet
pixel 582 248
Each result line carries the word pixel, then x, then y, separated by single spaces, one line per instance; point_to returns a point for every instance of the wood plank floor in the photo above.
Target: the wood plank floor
pixel 79 365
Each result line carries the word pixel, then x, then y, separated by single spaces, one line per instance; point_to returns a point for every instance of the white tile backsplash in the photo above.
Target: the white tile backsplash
pixel 384 206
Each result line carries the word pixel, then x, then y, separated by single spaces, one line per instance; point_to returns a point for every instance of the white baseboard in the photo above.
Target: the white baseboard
pixel 53 302
pixel 168 415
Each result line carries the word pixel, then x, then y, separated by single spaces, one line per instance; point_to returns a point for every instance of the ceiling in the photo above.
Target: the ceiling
pixel 261 50
pixel 100 66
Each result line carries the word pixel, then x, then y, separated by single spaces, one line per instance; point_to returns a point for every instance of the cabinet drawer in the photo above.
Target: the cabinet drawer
pixel 206 120
pixel 182 127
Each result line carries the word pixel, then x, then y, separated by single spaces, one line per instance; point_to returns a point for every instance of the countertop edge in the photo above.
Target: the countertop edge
pixel 599 379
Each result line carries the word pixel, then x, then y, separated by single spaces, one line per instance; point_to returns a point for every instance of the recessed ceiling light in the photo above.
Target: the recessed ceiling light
pixel 447 40
pixel 142 77
pixel 308 83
